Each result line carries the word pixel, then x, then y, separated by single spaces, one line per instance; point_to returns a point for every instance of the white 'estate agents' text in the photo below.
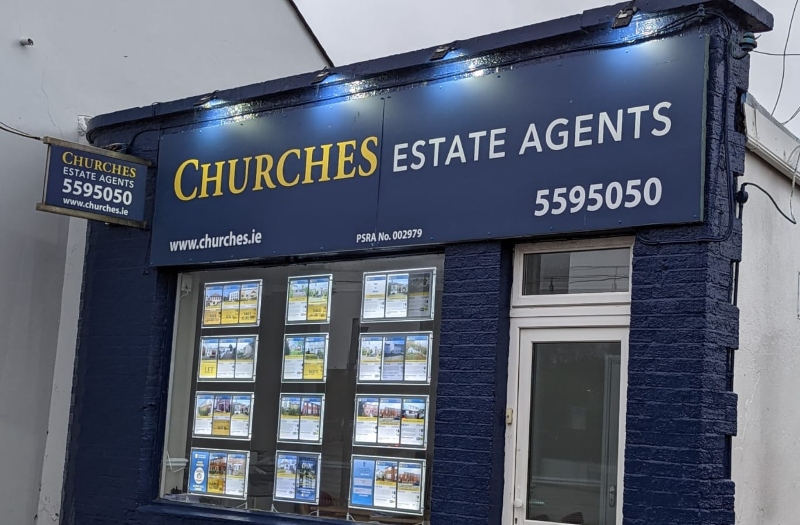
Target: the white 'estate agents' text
pixel 559 134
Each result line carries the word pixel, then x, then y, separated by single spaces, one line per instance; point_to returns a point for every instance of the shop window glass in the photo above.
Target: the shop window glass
pixel 307 389
pixel 591 271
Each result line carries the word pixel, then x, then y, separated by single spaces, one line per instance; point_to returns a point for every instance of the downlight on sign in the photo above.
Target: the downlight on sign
pixel 93 183
pixel 609 140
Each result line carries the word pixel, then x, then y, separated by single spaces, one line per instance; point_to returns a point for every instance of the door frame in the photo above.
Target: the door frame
pixel 601 310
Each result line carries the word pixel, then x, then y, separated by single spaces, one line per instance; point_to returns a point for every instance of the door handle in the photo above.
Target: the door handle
pixel 612 496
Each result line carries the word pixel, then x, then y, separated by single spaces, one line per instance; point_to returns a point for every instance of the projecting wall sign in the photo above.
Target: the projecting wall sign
pixel 93 183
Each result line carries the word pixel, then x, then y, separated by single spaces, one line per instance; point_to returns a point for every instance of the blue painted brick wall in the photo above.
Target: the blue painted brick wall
pixel 679 412
pixel 471 394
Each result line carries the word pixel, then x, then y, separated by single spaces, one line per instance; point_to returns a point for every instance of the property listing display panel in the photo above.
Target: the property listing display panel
pixel 261 398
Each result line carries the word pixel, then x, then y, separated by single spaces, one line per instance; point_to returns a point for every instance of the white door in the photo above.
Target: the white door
pixel 568 426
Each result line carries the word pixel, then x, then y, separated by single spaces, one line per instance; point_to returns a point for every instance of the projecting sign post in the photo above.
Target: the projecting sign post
pixel 594 142
pixel 93 183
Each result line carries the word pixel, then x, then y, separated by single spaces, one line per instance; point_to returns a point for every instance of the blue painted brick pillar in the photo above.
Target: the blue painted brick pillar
pixel 469 427
pixel 681 413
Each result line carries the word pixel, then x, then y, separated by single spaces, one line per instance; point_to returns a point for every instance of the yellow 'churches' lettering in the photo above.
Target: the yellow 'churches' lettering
pixel 294 166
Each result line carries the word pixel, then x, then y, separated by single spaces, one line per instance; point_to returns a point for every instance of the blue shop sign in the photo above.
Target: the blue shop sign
pixel 601 141
pixel 93 183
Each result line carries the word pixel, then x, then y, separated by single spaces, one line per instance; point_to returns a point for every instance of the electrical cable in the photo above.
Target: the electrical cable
pixel 789 217
pixel 785 47
pixel 776 54
pixel 796 112
pixel 15 131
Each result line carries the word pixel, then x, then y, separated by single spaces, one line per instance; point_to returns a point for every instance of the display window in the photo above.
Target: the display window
pixel 307 389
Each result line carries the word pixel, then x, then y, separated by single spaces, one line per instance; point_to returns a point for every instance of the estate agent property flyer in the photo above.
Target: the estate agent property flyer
pixel 217 470
pixel 296 477
pixel 387 483
pixel 394 358
pixel 412 424
pixel 231 303
pixel 419 294
pixel 374 301
pixel 310 419
pixel 398 296
pixel 308 299
pixel 301 418
pixel 220 473
pixel 212 305
pixel 417 351
pixel 393 421
pixel 366 419
pixel 318 294
pixel 370 357
pixel 234 481
pixel 385 494
pixel 297 308
pixel 305 357
pixel 240 416
pixel 204 408
pixel 226 366
pixel 285 476
pixel 198 471
pixel 362 486
pixel 221 420
pixel 227 358
pixel 248 302
pixel 225 415
pixel 389 412
pixel 209 346
pixel 289 423
pixel 409 486
pixel 245 358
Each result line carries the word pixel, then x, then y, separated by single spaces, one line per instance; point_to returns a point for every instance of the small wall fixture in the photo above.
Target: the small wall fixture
pixel 441 51
pixel 26 42
pixel 205 100
pixel 624 17
pixel 322 75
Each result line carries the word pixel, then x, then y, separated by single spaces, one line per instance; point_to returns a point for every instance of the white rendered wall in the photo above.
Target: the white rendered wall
pixel 766 451
pixel 91 57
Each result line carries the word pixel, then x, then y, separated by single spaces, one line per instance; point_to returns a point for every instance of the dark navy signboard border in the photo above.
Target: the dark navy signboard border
pixel 610 140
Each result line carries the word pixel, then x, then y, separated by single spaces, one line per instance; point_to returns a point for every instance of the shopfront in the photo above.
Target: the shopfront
pixel 484 284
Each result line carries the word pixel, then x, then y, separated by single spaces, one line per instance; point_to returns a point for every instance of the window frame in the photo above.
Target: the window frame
pixel 520 251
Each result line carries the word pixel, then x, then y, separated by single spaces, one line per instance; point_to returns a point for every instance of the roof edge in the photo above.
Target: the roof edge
pixel 771 140
pixel 752 16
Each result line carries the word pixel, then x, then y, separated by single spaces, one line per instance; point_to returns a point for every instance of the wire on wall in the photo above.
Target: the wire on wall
pixel 15 131
pixel 783 66
pixel 742 195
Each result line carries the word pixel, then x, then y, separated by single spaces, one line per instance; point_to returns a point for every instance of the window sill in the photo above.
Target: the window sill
pixel 205 512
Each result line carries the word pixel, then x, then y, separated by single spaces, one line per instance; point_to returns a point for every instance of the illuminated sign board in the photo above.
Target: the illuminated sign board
pixel 608 140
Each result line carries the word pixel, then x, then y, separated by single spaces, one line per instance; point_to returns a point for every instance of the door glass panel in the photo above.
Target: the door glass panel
pixel 572 459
